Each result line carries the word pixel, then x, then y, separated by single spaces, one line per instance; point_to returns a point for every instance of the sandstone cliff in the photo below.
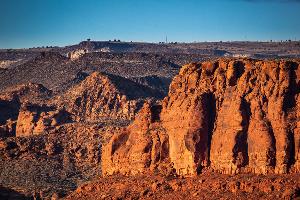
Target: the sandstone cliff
pixel 227 115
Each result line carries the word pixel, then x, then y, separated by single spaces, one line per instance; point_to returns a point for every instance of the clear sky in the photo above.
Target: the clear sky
pixel 31 23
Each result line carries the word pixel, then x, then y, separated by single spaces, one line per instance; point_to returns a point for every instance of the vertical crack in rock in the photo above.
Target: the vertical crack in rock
pixel 155 110
pixel 290 109
pixel 240 150
pixel 289 105
pixel 210 116
pixel 234 71
pixel 297 135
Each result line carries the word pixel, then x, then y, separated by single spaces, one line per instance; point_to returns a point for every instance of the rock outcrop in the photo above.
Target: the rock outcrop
pixel 36 119
pixel 23 112
pixel 103 96
pixel 141 145
pixel 30 92
pixel 227 115
pixel 76 54
pixel 9 110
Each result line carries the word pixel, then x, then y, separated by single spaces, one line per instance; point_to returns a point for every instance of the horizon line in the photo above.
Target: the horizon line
pixel 155 42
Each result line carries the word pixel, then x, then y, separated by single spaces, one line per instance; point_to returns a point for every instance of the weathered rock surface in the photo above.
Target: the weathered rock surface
pixel 204 186
pixel 54 162
pixel 35 119
pixel 74 55
pixel 141 145
pixel 59 135
pixel 30 92
pixel 227 115
pixel 11 101
pixel 103 96
pixel 31 109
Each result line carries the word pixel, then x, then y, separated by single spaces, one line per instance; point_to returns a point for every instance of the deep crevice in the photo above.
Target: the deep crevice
pixel 209 105
pixel 211 119
pixel 289 108
pixel 155 113
pixel 239 69
pixel 241 145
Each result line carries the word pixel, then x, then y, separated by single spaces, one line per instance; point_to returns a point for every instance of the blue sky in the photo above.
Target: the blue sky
pixel 31 23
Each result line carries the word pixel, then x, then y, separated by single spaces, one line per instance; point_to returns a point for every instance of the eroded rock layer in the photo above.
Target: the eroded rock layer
pixel 227 115
pixel 31 109
pixel 102 96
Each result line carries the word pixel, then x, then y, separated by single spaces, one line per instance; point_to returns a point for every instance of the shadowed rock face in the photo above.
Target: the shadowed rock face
pixel 7 194
pixel 228 115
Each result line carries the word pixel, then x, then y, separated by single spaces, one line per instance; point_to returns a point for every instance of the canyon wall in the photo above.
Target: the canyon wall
pixel 227 115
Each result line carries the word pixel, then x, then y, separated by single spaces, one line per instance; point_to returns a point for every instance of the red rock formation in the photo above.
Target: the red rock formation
pixel 35 119
pixel 99 97
pixel 10 103
pixel 140 146
pixel 8 116
pixel 102 96
pixel 232 116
